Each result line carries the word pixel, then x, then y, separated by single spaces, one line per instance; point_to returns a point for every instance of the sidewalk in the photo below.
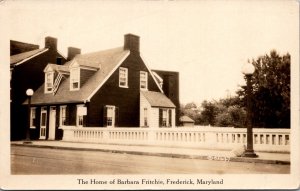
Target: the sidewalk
pixel 204 154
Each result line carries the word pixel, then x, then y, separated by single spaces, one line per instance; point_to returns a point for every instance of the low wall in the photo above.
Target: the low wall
pixel 271 140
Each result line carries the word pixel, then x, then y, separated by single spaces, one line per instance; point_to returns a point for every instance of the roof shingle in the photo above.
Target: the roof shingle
pixel 109 59
pixel 186 119
pixel 22 56
pixel 158 99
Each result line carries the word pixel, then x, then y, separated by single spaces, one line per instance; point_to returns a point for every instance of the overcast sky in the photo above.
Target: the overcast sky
pixel 206 41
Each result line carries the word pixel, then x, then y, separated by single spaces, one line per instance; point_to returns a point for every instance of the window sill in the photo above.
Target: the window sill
pixel 32 127
pixel 123 86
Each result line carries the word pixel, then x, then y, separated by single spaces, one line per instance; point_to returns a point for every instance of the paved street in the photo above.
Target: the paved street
pixel 31 160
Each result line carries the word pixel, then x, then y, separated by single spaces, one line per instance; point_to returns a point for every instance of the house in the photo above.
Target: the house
pixel 110 88
pixel 186 121
pixel 169 81
pixel 17 47
pixel 27 62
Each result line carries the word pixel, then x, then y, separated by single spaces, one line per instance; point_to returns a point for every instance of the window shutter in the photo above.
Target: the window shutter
pixel 104 116
pixel 170 117
pixel 160 117
pixel 116 116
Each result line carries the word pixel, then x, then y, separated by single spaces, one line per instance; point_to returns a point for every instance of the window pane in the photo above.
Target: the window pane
pixel 123 76
pixel 75 85
pixel 143 80
pixel 43 119
pixel 80 120
pixel 49 81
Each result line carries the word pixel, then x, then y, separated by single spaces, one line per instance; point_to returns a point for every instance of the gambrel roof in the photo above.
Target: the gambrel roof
pixel 106 62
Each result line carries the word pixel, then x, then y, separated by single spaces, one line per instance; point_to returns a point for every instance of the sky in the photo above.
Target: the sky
pixel 207 42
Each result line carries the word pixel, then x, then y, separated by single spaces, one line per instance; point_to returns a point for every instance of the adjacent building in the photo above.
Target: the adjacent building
pixel 110 88
pixel 186 121
pixel 27 62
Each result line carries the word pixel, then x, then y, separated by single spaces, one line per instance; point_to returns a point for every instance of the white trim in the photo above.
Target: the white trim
pixel 48 68
pixel 62 55
pixel 159 78
pixel 43 128
pixel 108 76
pixel 151 74
pixel 90 68
pixel 126 77
pixel 63 72
pixel 52 122
pixel 72 62
pixel 24 60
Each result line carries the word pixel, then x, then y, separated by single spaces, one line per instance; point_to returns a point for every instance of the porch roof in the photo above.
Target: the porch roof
pixel 158 99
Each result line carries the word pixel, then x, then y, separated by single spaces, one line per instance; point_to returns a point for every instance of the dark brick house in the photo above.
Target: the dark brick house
pixel 27 62
pixel 110 88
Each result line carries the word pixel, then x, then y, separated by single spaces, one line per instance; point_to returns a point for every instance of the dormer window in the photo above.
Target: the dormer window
pixel 143 80
pixel 74 78
pixel 123 77
pixel 49 79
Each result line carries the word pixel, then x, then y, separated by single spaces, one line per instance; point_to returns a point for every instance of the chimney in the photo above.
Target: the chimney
pixel 132 43
pixel 72 52
pixel 51 43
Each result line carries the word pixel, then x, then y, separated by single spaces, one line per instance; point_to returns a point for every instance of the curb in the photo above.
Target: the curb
pixel 171 155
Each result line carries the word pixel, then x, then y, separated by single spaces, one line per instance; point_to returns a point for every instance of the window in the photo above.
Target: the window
pixel 123 77
pixel 63 115
pixel 32 117
pixel 145 117
pixel 81 111
pixel 143 80
pixel 49 77
pixel 80 120
pixel 165 117
pixel 74 78
pixel 110 116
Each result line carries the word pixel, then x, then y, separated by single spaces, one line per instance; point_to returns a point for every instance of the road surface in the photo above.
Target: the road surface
pixel 32 160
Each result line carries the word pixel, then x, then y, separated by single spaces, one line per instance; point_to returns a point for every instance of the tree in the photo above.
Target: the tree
pixel 223 113
pixel 208 113
pixel 190 110
pixel 271 91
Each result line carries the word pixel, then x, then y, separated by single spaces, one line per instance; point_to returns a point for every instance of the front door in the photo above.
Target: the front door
pixel 52 120
pixel 43 123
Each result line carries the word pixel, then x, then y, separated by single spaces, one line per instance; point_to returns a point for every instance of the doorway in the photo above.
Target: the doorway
pixel 52 122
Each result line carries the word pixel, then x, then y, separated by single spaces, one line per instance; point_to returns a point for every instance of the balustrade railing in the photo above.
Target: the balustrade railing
pixel 200 137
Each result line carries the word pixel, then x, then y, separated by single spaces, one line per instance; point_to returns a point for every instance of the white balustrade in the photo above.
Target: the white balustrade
pixel 276 140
